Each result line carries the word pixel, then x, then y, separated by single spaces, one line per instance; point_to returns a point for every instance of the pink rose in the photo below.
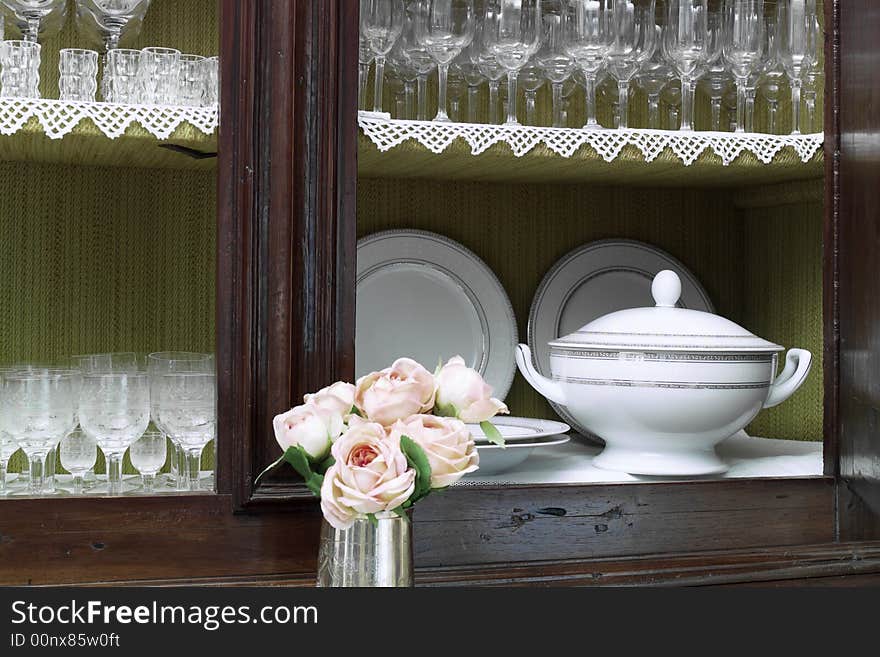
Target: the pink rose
pixel 312 428
pixel 370 475
pixel 337 398
pixel 447 442
pixel 462 393
pixel 406 388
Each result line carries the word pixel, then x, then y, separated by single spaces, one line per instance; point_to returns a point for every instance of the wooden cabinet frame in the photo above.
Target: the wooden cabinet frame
pixel 285 325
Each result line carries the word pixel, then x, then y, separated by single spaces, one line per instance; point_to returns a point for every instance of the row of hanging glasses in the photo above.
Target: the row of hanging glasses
pixel 150 76
pixel 735 50
pixel 108 401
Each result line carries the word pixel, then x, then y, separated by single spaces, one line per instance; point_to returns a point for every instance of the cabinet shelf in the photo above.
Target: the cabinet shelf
pixel 105 134
pixel 459 151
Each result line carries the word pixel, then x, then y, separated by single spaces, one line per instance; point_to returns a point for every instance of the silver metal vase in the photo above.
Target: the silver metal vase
pixel 367 554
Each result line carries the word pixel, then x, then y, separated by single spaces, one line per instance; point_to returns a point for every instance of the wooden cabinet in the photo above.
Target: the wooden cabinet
pixel 287 229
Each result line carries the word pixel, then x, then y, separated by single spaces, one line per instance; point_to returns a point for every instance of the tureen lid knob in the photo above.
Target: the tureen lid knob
pixel 666 289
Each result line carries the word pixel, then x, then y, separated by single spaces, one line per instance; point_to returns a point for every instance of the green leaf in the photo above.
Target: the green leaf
pixel 492 434
pixel 313 483
pixel 326 464
pixel 418 461
pixel 373 519
pixel 299 459
pixel 448 410
pixel 401 511
pixel 272 466
pixel 356 411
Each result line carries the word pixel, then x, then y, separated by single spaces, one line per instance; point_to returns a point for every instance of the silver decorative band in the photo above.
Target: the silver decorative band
pixel 625 383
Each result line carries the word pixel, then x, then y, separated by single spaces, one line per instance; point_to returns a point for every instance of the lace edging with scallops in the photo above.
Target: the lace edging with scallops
pixel 59 118
pixel 565 142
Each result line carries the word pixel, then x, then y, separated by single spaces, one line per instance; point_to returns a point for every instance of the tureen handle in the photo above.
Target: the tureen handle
pixel 797 366
pixel 550 389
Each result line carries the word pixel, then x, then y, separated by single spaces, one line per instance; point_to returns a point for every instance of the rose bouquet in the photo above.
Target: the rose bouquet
pixel 385 443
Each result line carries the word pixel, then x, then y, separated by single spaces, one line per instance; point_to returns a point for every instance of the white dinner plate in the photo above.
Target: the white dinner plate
pixel 495 459
pixel 516 429
pixel 594 280
pixel 426 297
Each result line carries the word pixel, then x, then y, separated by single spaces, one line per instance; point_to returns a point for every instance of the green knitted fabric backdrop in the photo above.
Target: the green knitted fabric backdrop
pixel 761 266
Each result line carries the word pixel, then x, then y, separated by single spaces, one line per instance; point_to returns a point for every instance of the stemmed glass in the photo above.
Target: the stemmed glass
pixel 412 61
pixel 743 48
pixel 772 74
pixel 671 95
pixel 365 58
pixel 512 31
pixel 686 44
pixel 114 408
pixel 587 41
pixel 531 79
pixel 164 362
pixel 79 452
pixel 813 80
pixel 467 63
pixel 633 42
pixel 444 28
pixel 456 85
pixel 552 58
pixel 148 454
pixel 381 23
pixel 8 446
pixel 653 75
pixel 32 16
pixel 39 408
pixel 716 77
pixel 798 36
pixel 187 409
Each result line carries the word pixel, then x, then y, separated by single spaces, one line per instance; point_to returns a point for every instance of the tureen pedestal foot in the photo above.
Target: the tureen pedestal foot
pixel 667 463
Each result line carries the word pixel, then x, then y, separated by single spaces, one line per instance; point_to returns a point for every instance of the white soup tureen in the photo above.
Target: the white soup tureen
pixel 663 385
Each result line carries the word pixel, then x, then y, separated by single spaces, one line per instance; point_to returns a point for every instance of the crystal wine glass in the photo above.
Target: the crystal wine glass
pixel 365 58
pixel 381 22
pixel 467 65
pixel 813 80
pixel 148 454
pixel 772 74
pixel 444 28
pixel 743 47
pixel 187 409
pixel 8 446
pixel 798 36
pixel 79 452
pixel 652 77
pixel 163 362
pixel 554 61
pixel 411 59
pixel 671 96
pixel 39 408
pixel 114 408
pixel 587 40
pixel 31 16
pixel 456 86
pixel 686 43
pixel 531 79
pixel 633 42
pixel 716 77
pixel 512 30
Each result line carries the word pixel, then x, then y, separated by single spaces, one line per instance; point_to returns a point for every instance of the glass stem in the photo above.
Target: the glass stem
pixel 716 113
pixel 194 466
pixel 149 483
pixel 810 103
pixel 442 77
pixel 114 473
pixel 378 84
pixel 623 103
pixel 77 484
pixel 363 76
pixel 772 109
pixel 35 474
pixel 741 104
pixel 511 99
pixel 531 107
pixel 687 104
pixel 590 99
pixel 654 111
pixel 33 29
pixel 796 106
pixel 673 118
pixel 2 477
pixel 180 455
pixel 750 109
pixel 473 100
pixel 409 95
pixel 557 105
pixel 399 106
pixel 423 98
pixel 493 101
pixel 49 471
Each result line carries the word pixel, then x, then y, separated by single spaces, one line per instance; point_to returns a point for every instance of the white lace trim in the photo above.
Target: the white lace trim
pixel 687 146
pixel 58 118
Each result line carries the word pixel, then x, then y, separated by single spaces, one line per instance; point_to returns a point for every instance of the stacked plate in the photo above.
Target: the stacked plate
pixel 521 437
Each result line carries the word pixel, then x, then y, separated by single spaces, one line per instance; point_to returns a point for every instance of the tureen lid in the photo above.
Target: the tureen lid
pixel 665 327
